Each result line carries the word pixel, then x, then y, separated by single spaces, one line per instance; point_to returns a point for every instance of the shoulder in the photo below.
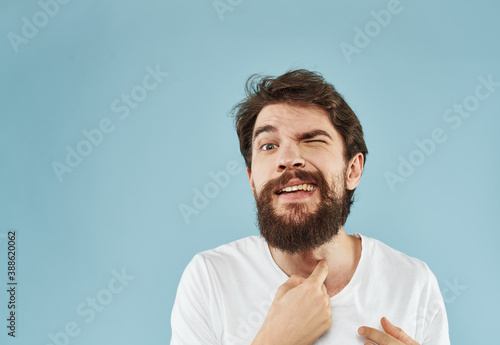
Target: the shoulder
pixel 394 262
pixel 233 249
pixel 233 253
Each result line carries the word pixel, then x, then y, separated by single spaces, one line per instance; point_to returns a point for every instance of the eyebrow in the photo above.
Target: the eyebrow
pixel 263 129
pixel 314 133
pixel 302 136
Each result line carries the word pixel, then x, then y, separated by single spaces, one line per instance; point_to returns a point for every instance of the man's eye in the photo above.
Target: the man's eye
pixel 315 141
pixel 268 147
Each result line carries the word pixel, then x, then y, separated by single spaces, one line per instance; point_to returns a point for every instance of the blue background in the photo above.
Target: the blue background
pixel 119 208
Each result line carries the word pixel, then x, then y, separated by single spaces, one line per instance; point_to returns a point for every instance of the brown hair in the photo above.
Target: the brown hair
pixel 297 87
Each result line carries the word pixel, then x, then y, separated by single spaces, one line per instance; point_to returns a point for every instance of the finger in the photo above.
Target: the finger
pixel 377 336
pixel 292 282
pixel 296 279
pixel 319 274
pixel 325 291
pixel 396 332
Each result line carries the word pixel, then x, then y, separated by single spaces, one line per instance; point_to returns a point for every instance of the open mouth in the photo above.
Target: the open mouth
pixel 304 187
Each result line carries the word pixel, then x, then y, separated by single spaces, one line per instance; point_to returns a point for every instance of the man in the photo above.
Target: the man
pixel 304 280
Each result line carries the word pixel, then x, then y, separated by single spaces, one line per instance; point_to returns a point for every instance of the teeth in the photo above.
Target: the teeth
pixel 305 186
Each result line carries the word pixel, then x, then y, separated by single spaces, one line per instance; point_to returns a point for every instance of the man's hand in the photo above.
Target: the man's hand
pixel 300 312
pixel 394 335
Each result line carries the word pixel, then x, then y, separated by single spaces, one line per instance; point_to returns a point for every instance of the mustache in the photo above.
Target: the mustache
pixel 317 176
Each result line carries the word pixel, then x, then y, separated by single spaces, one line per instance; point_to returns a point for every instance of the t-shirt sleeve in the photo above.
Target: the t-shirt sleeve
pixel 191 319
pixel 437 331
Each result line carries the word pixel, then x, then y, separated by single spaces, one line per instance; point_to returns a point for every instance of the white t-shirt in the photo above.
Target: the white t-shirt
pixel 225 294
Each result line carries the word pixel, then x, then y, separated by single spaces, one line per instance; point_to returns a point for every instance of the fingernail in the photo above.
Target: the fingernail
pixel 361 330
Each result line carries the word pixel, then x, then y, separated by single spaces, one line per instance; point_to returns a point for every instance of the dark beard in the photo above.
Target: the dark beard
pixel 297 229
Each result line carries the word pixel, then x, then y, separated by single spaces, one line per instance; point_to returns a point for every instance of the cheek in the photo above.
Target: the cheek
pixel 261 172
pixel 259 183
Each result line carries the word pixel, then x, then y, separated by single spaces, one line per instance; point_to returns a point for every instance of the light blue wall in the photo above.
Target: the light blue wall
pixel 118 208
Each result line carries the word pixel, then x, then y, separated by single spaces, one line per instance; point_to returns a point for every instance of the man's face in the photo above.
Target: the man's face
pixel 297 148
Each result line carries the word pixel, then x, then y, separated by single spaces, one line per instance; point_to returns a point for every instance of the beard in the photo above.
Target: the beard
pixel 296 229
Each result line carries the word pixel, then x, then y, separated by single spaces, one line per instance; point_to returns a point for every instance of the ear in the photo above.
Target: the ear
pixel 354 170
pixel 252 185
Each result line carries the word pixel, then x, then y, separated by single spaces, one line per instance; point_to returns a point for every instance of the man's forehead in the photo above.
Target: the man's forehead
pixel 296 118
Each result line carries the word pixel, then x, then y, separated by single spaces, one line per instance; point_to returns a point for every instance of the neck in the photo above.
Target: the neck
pixel 342 255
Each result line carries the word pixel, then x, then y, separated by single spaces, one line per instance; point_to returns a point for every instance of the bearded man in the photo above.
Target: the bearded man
pixel 304 280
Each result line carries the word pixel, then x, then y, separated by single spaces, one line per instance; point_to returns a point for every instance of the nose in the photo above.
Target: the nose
pixel 290 157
